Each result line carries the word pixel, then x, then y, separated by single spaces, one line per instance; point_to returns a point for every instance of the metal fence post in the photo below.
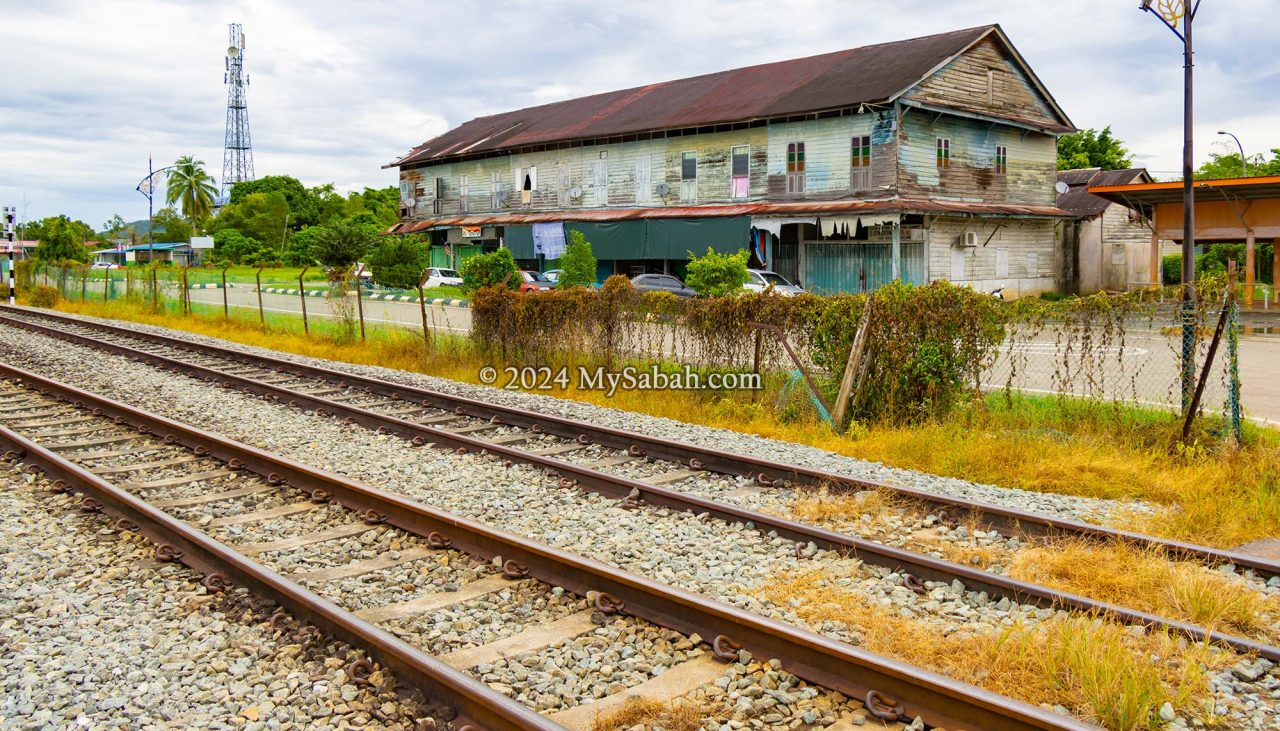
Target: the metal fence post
pixel 84 283
pixel 422 304
pixel 226 308
pixel 1233 372
pixel 155 285
pixel 360 298
pixel 186 291
pixel 302 294
pixel 128 282
pixel 262 316
pixel 106 286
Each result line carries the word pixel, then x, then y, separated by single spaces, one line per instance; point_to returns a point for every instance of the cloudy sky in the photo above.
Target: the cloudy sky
pixel 91 87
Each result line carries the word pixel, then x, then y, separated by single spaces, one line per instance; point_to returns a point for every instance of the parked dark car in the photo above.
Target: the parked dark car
pixel 662 283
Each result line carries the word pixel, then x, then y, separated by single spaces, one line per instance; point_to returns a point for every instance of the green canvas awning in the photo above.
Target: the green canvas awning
pixel 520 240
pixel 674 238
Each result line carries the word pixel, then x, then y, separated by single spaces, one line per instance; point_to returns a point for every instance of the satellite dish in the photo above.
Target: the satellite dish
pixel 408 202
pixel 232 51
pixel 663 188
pixel 1061 187
pixel 575 192
pixel 502 197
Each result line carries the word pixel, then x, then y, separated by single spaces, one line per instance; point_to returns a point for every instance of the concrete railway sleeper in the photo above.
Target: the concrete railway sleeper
pixel 636 493
pixel 425 406
pixel 277 514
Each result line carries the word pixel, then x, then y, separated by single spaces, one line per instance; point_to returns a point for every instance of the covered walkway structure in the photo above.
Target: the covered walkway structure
pixel 1231 210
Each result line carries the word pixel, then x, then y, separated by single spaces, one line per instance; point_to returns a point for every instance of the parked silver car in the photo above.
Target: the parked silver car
pixel 662 283
pixel 758 280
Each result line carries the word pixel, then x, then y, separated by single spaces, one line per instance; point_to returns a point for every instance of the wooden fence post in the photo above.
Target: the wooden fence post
pixel 262 316
pixel 422 304
pixel 360 298
pixel 302 293
pixel 226 308
pixel 853 366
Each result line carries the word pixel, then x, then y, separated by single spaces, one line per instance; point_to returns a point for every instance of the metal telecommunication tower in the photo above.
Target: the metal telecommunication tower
pixel 237 155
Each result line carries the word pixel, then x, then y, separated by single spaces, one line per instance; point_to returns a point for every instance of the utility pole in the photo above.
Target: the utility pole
pixel 1171 14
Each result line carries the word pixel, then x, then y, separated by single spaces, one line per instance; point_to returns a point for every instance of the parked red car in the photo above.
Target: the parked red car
pixel 534 281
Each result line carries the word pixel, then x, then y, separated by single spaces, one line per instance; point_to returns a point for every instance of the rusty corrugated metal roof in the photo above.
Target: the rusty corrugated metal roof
pixel 837 80
pixel 818 208
pixel 1079 201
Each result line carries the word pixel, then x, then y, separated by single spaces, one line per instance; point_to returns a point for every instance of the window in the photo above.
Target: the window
pixel 740 171
pixel 944 153
pixel 601 188
pixel 688 166
pixel 1002 159
pixel 644 180
pixel 438 196
pixel 464 190
pixel 526 183
pixel 795 167
pixel 860 162
pixel 495 187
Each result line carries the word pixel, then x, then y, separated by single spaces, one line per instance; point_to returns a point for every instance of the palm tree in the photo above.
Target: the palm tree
pixel 190 185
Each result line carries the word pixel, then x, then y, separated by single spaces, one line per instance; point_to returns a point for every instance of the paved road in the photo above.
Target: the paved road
pixel 1145 371
pixel 407 314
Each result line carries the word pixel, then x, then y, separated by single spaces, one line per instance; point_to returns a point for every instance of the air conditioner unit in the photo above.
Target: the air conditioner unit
pixel 967 240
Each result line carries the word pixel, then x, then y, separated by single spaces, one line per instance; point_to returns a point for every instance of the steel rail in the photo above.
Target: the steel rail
pixel 918 565
pixel 1004 519
pixel 938 700
pixel 475 701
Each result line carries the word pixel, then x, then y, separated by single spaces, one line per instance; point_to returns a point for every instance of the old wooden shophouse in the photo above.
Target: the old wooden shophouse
pixel 931 158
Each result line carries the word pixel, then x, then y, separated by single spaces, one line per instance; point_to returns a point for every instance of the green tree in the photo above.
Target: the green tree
pixel 297 251
pixel 1232 166
pixel 260 216
pixel 342 244
pixel 398 261
pixel 715 274
pixel 191 188
pixel 229 245
pixel 578 263
pixel 170 227
pixel 330 206
pixel 302 203
pixel 61 240
pixel 490 270
pixel 115 228
pixel 80 232
pixel 1091 148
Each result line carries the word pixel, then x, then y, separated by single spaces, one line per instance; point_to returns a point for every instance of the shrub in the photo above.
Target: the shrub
pixel 342 244
pixel 229 245
pixel 298 251
pixel 716 274
pixel 490 270
pixel 45 296
pixel 398 261
pixel 578 263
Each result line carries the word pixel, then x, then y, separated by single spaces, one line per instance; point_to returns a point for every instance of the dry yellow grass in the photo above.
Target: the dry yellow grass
pixel 675 716
pixel 1218 499
pixel 1097 670
pixel 1145 579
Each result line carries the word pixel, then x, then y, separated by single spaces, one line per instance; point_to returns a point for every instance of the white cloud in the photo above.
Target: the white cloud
pixel 339 89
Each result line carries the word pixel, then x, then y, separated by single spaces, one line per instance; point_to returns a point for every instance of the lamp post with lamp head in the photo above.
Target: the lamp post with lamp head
pixel 1244 161
pixel 1175 13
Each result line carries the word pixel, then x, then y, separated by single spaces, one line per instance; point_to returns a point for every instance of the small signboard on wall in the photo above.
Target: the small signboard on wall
pixel 472 232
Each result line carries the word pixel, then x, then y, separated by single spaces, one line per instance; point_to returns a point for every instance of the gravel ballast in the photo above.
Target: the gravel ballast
pixel 727 562
pixel 99 635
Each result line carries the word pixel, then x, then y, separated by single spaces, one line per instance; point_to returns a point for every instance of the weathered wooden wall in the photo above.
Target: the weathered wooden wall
pixel 985 79
pixel 1031 169
pixel 1023 256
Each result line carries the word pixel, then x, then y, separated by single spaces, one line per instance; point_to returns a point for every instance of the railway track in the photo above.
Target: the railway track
pixel 365 566
pixel 540 438
pixel 423 417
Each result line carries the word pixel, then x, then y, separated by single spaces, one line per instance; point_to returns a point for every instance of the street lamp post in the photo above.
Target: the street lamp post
pixel 1170 12
pixel 147 187
pixel 1244 161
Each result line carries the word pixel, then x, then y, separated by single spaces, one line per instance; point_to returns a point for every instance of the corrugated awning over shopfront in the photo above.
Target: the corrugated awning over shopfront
pixel 652 238
pixel 811 208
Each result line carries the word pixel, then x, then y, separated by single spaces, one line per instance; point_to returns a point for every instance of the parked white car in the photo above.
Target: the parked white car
pixel 758 280
pixel 105 265
pixel 440 277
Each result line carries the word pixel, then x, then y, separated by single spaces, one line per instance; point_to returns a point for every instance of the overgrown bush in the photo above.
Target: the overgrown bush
pixel 398 261
pixel 45 296
pixel 715 274
pixel 578 263
pixel 231 246
pixel 490 270
pixel 1171 269
pixel 341 244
